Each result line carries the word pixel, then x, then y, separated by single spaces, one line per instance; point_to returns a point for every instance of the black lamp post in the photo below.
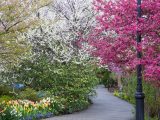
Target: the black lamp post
pixel 139 93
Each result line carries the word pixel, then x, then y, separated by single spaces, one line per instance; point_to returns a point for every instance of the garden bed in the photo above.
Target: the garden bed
pixel 45 108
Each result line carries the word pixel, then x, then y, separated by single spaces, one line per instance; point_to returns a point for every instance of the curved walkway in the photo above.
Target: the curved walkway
pixel 105 107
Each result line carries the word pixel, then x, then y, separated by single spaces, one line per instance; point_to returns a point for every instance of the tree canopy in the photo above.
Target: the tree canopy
pixel 16 17
pixel 114 38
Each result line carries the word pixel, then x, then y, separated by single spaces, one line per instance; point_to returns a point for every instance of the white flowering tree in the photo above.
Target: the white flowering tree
pixel 58 37
pixel 16 16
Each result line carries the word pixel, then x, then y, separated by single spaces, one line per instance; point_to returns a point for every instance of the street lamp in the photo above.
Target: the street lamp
pixel 139 95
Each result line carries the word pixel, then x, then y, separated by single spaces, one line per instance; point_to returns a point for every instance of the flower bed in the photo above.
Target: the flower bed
pixel 28 110
pixel 45 108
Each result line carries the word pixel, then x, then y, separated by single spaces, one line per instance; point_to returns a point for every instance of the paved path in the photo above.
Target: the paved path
pixel 105 107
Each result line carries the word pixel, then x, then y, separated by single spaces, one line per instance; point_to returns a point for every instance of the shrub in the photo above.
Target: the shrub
pixel 5 98
pixel 29 94
pixel 73 105
pixel 5 90
pixel 71 83
pixel 41 74
pixel 106 78
pixel 121 95
pixel 152 95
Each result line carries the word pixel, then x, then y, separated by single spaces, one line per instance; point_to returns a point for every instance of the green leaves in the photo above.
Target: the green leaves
pixel 72 84
pixel 152 98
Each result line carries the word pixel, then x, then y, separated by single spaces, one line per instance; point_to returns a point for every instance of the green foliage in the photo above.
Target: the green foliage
pixel 106 78
pixel 5 98
pixel 60 78
pixel 43 94
pixel 57 105
pixel 71 83
pixel 129 88
pixel 29 94
pixel 5 90
pixel 72 104
pixel 152 95
pixel 77 105
pixel 7 115
pixel 148 118
pixel 121 95
pixel 74 80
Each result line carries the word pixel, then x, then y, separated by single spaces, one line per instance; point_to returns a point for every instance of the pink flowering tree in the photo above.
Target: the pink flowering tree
pixel 114 38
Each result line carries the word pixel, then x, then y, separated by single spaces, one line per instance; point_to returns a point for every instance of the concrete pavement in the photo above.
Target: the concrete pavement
pixel 105 107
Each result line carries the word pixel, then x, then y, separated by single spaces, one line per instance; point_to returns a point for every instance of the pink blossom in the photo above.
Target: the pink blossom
pixel 115 36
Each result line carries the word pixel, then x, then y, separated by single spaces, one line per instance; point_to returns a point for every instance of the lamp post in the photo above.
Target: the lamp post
pixel 139 95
